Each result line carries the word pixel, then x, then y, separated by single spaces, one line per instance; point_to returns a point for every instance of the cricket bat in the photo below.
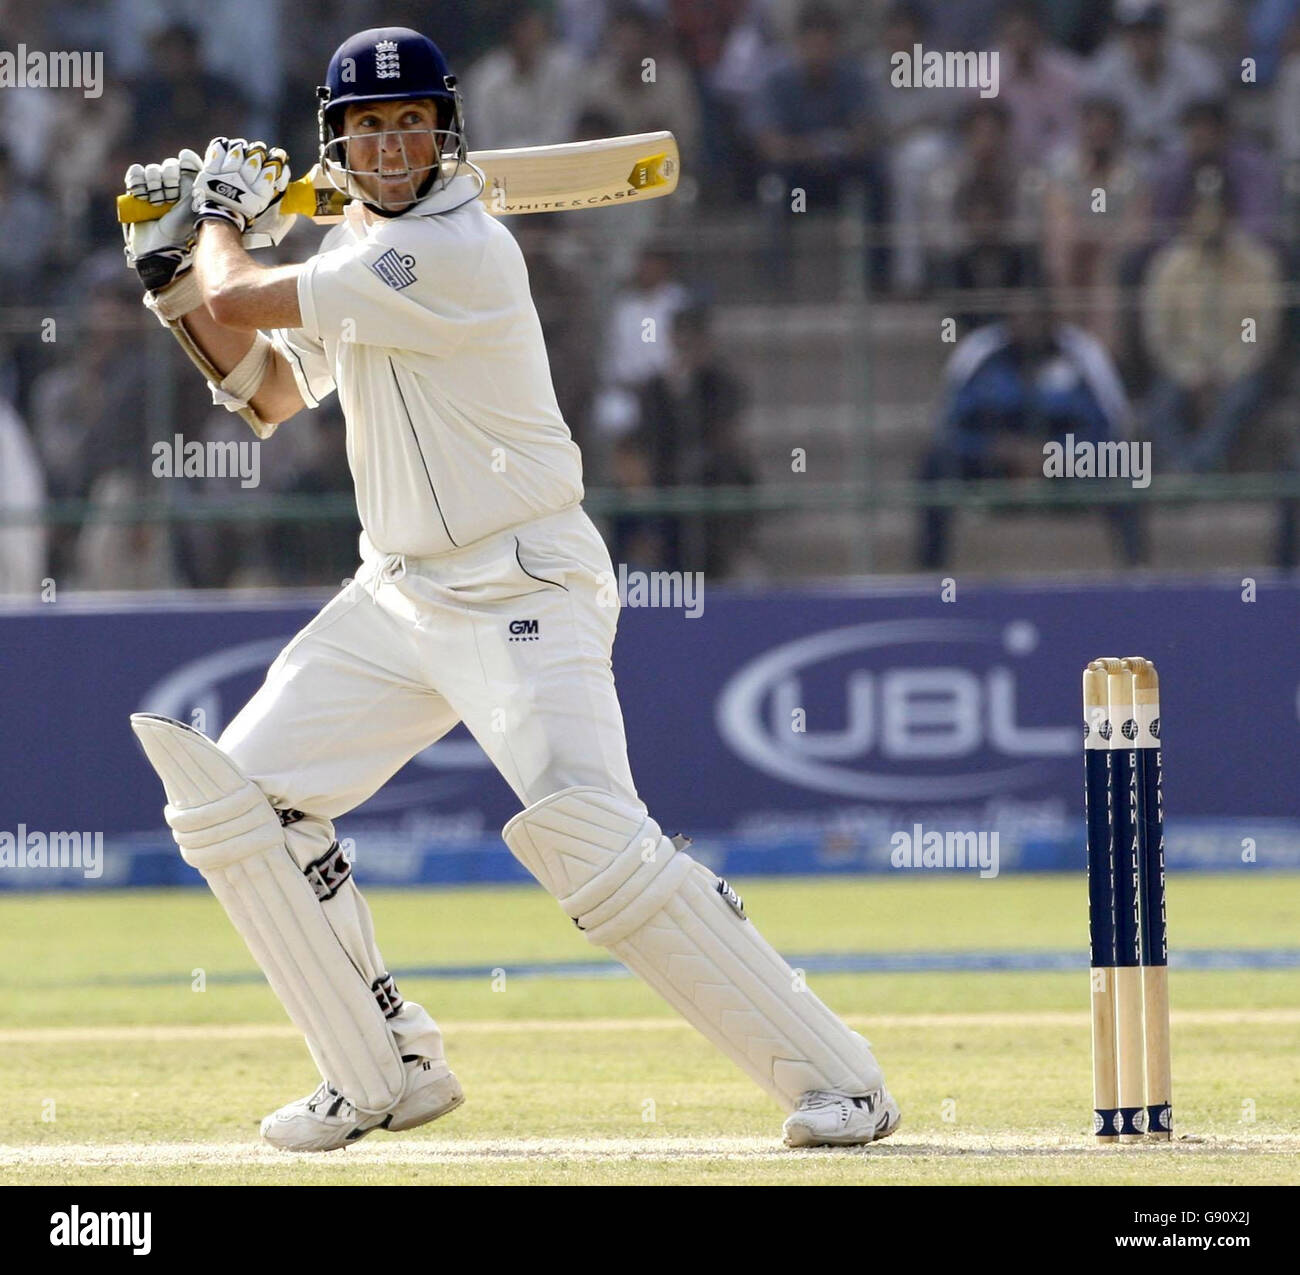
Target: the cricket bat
pixel 606 173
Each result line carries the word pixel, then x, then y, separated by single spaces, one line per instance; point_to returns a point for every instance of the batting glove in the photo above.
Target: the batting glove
pixel 239 181
pixel 161 251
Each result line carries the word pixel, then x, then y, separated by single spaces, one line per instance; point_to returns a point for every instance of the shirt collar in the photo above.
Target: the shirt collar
pixel 462 189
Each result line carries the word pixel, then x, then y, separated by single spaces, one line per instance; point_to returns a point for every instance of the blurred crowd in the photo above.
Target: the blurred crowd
pixel 1099 229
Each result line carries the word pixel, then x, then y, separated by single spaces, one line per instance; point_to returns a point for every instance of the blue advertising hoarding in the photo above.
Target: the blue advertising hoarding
pixel 784 731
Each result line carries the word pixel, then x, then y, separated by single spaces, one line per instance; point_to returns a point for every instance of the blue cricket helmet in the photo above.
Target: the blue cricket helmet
pixel 387 64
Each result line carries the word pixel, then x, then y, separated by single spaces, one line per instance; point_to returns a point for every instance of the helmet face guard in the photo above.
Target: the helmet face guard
pixel 389 64
pixel 392 169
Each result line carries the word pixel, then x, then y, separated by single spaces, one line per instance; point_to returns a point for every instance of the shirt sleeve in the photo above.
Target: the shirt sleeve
pixel 308 361
pixel 382 293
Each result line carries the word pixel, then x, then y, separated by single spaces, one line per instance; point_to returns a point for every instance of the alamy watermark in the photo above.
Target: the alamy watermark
pixel 212 459
pixel 1114 458
pixel 681 590
pixel 955 69
pixel 31 849
pixel 35 69
pixel 101 1229
pixel 917 848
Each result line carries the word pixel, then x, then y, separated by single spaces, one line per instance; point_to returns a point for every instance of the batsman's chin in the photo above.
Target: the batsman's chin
pixel 391 197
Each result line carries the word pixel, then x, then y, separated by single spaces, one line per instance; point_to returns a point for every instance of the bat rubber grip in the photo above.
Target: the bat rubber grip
pixel 299 197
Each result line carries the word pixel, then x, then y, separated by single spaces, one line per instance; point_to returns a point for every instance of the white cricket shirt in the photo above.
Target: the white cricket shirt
pixel 425 325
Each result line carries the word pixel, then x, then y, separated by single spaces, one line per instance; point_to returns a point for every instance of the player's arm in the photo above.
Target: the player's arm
pixel 245 371
pixel 277 397
pixel 238 188
pixel 239 294
pixel 239 299
pixel 239 184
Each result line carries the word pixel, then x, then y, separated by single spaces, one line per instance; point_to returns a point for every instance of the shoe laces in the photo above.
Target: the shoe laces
pixel 326 1093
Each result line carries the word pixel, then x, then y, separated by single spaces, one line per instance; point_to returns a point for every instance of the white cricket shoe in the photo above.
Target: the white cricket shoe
pixel 836 1120
pixel 326 1120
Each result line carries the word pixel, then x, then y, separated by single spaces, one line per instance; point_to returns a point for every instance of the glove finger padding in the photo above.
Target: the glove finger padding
pixel 165 183
pixel 134 182
pixel 160 251
pixel 153 183
pixel 240 180
pixel 276 163
pixel 220 149
pixel 269 227
pixel 170 174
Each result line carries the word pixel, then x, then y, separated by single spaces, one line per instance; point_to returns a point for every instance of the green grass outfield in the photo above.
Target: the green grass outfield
pixel 115 1070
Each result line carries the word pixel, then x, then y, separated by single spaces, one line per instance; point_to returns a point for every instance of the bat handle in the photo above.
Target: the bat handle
pixel 299 197
pixel 131 210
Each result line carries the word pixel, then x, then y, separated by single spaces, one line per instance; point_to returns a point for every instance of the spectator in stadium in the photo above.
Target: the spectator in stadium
pixel 1077 25
pixel 1212 374
pixel 1085 244
pixel 85 132
pixel 308 553
pixel 235 40
pixel 692 412
pixel 984 169
pixel 643 542
pixel 638 344
pixel 26 112
pixel 560 274
pixel 1040 84
pixel 1009 389
pixel 728 46
pixel 1153 76
pixel 810 118
pixel 723 35
pixel 22 488
pixel 1270 35
pixel 581 25
pixel 1217 28
pixel 969 25
pixel 88 409
pixel 1212 150
pixel 114 554
pixel 643 98
pixel 525 93
pixel 211 554
pixel 1286 102
pixel 26 226
pixel 178 100
pixel 991 261
pixel 610 248
pixel 916 123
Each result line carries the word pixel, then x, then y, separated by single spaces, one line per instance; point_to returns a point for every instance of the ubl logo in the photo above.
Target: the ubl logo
pixel 885 712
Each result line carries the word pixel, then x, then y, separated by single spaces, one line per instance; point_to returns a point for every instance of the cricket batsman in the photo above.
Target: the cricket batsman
pixel 417 312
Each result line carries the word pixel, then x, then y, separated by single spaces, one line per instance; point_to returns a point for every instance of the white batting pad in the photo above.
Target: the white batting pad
pixel 226 828
pixel 684 931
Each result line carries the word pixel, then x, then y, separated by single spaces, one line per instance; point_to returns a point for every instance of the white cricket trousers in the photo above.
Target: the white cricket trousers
pixel 511 635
